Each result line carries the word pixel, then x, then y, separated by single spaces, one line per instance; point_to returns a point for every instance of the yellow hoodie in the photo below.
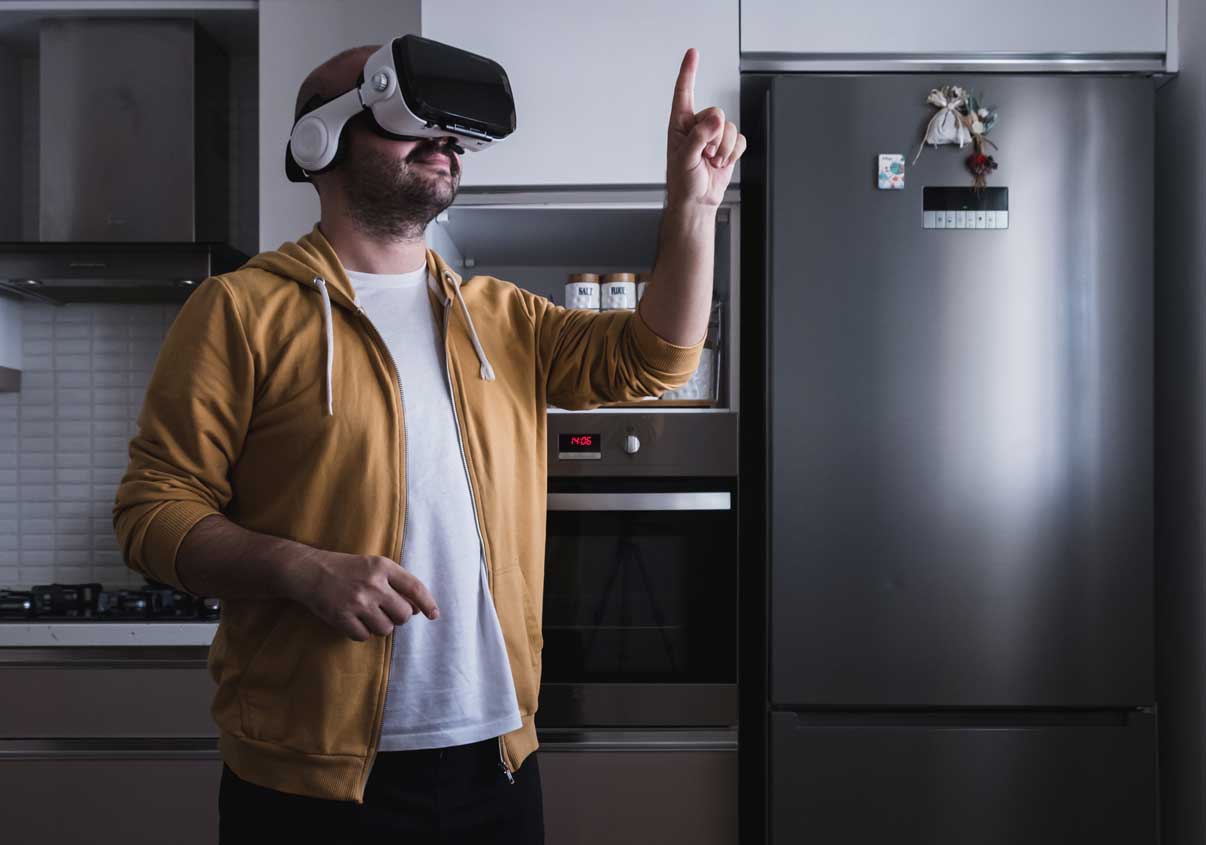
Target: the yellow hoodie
pixel 275 402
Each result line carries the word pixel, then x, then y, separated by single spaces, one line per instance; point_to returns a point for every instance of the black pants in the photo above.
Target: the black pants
pixel 443 795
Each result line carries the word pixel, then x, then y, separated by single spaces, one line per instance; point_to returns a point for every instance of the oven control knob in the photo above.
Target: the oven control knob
pixel 632 444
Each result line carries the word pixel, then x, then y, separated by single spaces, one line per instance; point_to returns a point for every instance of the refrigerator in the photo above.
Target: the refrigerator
pixel 958 465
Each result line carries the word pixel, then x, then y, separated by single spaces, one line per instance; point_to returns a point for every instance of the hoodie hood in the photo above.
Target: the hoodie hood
pixel 312 263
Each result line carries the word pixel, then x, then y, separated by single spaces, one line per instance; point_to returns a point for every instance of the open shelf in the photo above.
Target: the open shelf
pixel 538 241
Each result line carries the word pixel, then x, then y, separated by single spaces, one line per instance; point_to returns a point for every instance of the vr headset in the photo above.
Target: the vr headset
pixel 412 88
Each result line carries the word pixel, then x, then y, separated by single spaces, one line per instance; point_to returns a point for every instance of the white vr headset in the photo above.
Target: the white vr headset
pixel 412 88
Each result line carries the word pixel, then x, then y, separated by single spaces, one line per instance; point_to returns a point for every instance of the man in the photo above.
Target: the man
pixel 349 403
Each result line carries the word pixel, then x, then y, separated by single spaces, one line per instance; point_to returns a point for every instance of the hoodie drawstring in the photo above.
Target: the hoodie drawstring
pixel 330 333
pixel 487 371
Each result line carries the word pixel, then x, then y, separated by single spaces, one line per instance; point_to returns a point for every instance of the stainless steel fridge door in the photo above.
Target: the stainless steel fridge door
pixel 928 784
pixel 960 422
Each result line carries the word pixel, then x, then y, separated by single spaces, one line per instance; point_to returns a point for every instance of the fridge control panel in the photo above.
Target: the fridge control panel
pixel 965 208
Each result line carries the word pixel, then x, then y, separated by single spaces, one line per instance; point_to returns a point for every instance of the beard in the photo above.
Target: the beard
pixel 394 200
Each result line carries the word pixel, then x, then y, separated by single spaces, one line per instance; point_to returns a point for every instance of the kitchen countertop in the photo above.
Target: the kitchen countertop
pixel 19 634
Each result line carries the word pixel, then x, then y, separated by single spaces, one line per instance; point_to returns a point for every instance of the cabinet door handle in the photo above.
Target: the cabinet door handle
pixel 711 501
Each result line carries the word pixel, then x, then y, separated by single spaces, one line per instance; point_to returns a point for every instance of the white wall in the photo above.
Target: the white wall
pixel 295 37
pixel 10 332
pixel 940 26
pixel 65 436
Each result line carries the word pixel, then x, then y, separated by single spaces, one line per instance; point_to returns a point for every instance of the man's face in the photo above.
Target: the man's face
pixel 395 188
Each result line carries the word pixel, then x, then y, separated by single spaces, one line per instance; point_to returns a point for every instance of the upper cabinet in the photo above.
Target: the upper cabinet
pixel 592 82
pixel 940 28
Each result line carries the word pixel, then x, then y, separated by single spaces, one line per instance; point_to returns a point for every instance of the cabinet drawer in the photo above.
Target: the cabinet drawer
pixel 105 701
pixel 641 796
pixel 128 801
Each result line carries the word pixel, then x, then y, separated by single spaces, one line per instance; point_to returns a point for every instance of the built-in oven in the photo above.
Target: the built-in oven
pixel 640 592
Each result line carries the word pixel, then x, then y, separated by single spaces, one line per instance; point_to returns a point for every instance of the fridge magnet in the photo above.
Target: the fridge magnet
pixel 962 119
pixel 891 172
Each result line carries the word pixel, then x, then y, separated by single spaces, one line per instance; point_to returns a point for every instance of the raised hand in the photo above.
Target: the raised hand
pixel 701 147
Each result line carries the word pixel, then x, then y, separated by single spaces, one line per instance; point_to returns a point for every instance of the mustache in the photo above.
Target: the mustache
pixel 428 150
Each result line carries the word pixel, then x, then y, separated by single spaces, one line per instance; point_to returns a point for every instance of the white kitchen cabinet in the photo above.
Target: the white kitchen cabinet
pixel 592 82
pixel 295 37
pixel 939 28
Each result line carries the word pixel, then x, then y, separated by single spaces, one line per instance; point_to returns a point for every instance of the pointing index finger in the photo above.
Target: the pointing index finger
pixel 684 86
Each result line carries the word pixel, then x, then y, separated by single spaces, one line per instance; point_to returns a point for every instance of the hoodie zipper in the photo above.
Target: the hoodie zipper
pixel 502 761
pixel 380 716
pixel 376 740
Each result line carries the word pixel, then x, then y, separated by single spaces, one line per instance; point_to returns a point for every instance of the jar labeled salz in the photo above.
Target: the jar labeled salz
pixel 582 291
pixel 619 291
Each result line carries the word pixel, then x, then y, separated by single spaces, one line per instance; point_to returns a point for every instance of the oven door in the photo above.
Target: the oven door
pixel 640 603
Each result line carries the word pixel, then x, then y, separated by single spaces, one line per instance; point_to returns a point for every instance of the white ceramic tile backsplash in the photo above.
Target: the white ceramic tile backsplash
pixel 64 439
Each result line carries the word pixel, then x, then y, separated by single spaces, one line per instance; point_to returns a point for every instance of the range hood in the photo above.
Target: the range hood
pixel 133 164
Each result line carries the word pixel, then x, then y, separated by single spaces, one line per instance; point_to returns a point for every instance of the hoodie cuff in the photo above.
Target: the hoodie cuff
pixel 662 355
pixel 165 533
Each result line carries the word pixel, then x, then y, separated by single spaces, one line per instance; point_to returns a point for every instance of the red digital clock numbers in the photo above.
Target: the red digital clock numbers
pixel 580 446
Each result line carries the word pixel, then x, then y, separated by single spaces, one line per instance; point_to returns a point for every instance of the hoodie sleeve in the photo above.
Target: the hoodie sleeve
pixel 191 428
pixel 590 358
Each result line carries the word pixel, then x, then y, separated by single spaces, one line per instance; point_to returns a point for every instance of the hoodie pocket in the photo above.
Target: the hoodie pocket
pixel 308 687
pixel 532 623
pixel 521 633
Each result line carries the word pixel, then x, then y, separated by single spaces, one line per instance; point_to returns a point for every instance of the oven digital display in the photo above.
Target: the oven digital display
pixel 579 446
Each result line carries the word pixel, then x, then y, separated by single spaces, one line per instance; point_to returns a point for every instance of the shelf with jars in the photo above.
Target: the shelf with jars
pixel 595 248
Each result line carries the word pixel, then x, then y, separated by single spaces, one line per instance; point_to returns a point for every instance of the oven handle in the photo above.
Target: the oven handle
pixel 703 501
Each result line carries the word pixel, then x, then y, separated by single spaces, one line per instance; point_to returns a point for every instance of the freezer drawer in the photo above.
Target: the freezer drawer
pixel 842 779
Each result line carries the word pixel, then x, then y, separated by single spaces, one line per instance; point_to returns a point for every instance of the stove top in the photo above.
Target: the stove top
pixel 92 602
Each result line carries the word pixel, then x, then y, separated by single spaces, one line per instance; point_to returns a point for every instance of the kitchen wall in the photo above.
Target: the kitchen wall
pixel 64 439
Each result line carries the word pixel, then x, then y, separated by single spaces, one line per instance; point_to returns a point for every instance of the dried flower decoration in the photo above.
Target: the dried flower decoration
pixel 962 119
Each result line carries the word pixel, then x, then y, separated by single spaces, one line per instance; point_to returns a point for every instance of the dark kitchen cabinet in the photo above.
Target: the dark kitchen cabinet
pixel 147 801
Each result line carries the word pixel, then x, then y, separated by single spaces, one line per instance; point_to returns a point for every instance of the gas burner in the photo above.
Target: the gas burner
pixel 71 602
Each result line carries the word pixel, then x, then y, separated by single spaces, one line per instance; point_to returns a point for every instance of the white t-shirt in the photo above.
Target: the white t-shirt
pixel 450 682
